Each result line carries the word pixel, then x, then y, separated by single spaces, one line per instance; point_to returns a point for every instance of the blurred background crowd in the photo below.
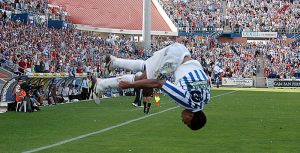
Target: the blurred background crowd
pixel 26 48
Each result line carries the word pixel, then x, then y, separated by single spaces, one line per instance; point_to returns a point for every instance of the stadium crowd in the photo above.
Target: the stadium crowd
pixel 27 48
pixel 240 60
pixel 255 15
pixel 37 6
pixel 34 7
pixel 39 49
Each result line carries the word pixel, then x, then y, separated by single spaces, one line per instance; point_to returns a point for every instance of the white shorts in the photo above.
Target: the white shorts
pixel 166 60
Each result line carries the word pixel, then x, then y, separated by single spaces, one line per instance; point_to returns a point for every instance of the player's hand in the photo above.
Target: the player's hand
pixel 124 84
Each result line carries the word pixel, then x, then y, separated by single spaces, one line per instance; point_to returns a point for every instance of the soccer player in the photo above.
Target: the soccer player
pixel 190 90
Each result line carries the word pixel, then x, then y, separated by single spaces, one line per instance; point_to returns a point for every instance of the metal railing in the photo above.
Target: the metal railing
pixel 295 31
pixel 199 29
pixel 215 34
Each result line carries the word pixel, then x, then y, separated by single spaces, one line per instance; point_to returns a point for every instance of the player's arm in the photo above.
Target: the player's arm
pixel 146 83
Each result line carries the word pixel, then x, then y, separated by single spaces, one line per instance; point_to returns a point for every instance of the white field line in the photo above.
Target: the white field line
pixel 109 128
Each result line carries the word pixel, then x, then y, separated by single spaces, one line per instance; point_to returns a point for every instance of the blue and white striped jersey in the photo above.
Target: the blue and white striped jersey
pixel 191 91
pixel 194 80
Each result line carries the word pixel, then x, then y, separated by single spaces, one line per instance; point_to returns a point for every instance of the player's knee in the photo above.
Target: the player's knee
pixel 140 76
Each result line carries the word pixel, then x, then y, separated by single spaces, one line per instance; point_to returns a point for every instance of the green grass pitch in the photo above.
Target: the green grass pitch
pixel 242 121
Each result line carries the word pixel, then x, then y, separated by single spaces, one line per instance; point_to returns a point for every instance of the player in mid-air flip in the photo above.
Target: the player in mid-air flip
pixel 190 89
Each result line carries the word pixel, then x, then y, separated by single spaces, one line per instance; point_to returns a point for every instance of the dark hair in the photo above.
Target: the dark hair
pixel 198 121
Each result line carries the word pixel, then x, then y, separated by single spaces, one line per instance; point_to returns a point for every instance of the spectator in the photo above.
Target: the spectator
pixel 54 96
pixel 20 93
pixel 39 95
pixel 256 15
pixel 74 94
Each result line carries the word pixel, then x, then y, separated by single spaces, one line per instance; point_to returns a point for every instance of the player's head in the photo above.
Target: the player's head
pixel 194 120
pixel 20 81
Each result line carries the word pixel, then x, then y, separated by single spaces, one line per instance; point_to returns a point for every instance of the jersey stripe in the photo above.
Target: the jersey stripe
pixel 175 90
pixel 197 74
pixel 204 76
pixel 180 98
pixel 192 76
pixel 185 80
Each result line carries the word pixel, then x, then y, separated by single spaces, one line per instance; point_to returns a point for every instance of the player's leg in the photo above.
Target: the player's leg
pixel 140 76
pixel 166 60
pixel 103 84
pixel 148 104
pixel 147 99
pixel 113 62
pixel 163 61
pixel 145 104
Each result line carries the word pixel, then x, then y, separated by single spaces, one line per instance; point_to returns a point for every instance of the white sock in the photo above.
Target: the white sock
pixel 132 65
pixel 113 82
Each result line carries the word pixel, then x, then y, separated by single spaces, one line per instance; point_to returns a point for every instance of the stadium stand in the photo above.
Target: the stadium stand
pixel 256 15
pixel 27 48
